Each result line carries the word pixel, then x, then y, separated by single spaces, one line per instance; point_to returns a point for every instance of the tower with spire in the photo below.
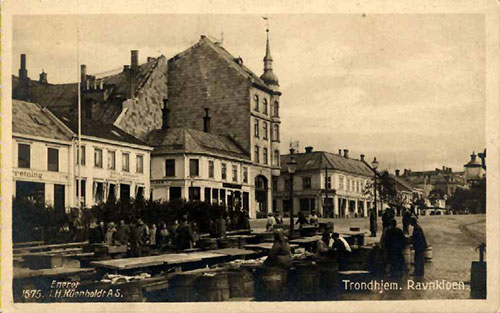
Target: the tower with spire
pixel 268 76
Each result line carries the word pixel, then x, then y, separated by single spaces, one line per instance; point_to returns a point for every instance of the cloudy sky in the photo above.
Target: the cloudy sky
pixel 409 89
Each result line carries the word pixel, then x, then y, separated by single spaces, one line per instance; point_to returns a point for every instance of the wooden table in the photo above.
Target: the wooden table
pixel 20 273
pixel 267 246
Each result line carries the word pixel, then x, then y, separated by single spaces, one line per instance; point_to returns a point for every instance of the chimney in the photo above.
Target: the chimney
pixel 24 81
pixel 473 156
pixel 43 77
pixel 346 153
pixel 309 149
pixel 134 59
pixel 150 59
pixel 292 151
pixel 206 121
pixel 362 156
pixel 397 173
pixel 340 152
pixel 165 113
pixel 83 74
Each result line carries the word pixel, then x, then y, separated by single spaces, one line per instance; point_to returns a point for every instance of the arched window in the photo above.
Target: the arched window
pixel 256 102
pixel 264 103
pixel 276 132
pixel 276 160
pixel 276 109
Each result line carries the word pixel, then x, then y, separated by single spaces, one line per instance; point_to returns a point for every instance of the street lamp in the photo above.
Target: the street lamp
pixel 291 168
pixel 375 166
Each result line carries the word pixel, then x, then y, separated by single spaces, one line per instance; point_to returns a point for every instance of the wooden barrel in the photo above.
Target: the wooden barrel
pixel 223 243
pixel 183 288
pixel 241 283
pixel 270 283
pixel 328 279
pixel 233 242
pixel 213 287
pixel 329 227
pixel 242 242
pixel 304 281
pixel 428 254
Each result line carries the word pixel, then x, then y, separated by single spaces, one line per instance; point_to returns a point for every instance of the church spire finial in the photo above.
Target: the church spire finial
pixel 268 77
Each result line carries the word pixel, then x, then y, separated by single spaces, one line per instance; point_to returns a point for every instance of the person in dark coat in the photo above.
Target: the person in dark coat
pixel 395 242
pixel 301 220
pixel 184 238
pixel 98 233
pixel 420 245
pixel 135 237
pixel 373 223
pixel 406 221
pixel 122 234
pixel 386 219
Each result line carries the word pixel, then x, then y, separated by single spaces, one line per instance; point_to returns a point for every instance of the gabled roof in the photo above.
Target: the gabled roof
pixel 31 119
pixel 231 60
pixel 318 160
pixel 98 129
pixel 64 97
pixel 186 140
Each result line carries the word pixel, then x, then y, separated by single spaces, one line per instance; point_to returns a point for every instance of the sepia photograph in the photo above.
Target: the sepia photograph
pixel 251 157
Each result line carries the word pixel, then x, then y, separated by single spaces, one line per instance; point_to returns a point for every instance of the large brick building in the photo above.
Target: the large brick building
pixel 242 105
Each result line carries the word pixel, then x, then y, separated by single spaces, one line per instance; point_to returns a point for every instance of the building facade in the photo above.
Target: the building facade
pixel 114 164
pixel 334 185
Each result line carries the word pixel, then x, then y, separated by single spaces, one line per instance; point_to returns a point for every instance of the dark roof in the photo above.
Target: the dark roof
pixel 232 60
pixel 31 119
pixel 188 140
pixel 403 183
pixel 64 97
pixel 318 160
pixel 98 129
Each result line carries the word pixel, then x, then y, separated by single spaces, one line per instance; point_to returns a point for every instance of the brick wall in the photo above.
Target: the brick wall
pixel 201 78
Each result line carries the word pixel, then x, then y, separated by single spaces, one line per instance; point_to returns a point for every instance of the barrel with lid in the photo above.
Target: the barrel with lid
pixel 213 287
pixel 270 283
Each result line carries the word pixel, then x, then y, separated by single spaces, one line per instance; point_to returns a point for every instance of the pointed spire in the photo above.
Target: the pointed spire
pixel 269 77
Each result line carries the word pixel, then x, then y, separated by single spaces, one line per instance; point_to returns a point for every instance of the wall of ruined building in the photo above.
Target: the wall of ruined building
pixel 203 79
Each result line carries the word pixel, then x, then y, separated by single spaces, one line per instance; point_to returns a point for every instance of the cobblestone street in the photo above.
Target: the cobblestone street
pixel 454 239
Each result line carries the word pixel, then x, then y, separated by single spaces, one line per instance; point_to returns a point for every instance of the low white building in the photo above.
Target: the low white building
pixel 114 164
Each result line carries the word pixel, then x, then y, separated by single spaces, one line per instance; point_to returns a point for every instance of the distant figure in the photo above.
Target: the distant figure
pixel 143 231
pixel 373 223
pixel 420 245
pixel 406 221
pixel 313 219
pixel 270 222
pixel 280 254
pixel 244 220
pixel 98 233
pixel 301 220
pixel 135 246
pixel 184 238
pixel 386 219
pixel 162 236
pixel 340 244
pixel 122 234
pixel 173 230
pixel 394 243
pixel 325 243
pixel 196 233
pixel 278 218
pixel 152 235
pixel 220 227
pixel 110 234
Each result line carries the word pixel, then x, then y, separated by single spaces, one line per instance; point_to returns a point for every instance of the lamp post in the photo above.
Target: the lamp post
pixel 291 168
pixel 375 166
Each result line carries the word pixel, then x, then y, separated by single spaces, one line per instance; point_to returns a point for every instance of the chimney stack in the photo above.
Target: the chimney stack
pixel 362 156
pixel 346 153
pixel 292 151
pixel 309 149
pixel 43 77
pixel 397 173
pixel 134 59
pixel 206 121
pixel 340 152
pixel 24 81
pixel 83 74
pixel 165 113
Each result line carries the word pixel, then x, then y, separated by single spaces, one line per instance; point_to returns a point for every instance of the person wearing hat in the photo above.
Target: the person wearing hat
pixel 420 245
pixel 110 233
pixel 271 220
pixel 280 254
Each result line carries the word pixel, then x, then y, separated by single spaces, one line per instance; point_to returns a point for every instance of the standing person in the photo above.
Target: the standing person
pixel 301 220
pixel 245 220
pixel 394 243
pixel 270 222
pixel 278 218
pixel 406 221
pixel 122 233
pixel 110 234
pixel 280 254
pixel 386 219
pixel 99 233
pixel 373 223
pixel 172 229
pixel 162 236
pixel 135 234
pixel 184 238
pixel 419 244
pixel 196 233
pixel 313 219
pixel 152 236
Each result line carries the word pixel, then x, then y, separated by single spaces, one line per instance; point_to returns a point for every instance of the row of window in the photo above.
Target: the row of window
pixel 24 159
pixel 352 184
pixel 194 170
pixel 265 131
pixel 264 108
pixel 265 157
pixel 98 160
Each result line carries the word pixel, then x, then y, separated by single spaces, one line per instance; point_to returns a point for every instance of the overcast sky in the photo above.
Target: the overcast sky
pixel 409 89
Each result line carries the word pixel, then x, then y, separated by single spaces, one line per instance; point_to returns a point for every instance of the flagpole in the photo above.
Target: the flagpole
pixel 79 156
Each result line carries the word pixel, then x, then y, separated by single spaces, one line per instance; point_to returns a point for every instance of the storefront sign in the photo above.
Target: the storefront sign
pixel 233 186
pixel 28 174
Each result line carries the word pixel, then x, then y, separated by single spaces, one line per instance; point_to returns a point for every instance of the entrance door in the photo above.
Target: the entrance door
pixel 261 193
pixel 59 198
pixel 124 192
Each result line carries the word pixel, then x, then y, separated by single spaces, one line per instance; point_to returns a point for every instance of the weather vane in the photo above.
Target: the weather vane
pixel 266 18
